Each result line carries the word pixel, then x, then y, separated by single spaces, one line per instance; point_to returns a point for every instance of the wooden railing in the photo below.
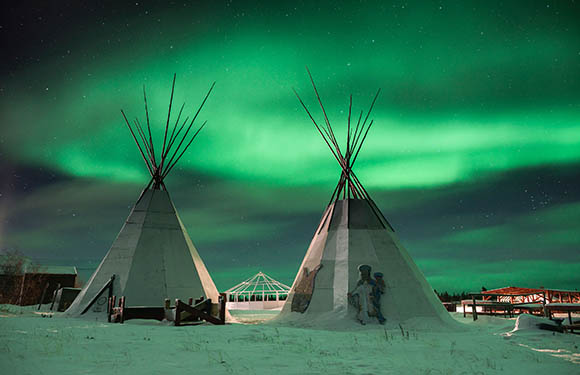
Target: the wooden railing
pixel 506 307
pixel 182 313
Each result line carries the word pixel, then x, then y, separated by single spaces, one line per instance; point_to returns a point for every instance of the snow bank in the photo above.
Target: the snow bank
pixel 30 344
pixel 527 322
pixel 347 321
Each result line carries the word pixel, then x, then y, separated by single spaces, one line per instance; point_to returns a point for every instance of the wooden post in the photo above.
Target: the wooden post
pixel 43 295
pixel 54 296
pixel 21 289
pixel 111 286
pixel 544 305
pixel 177 320
pixel 122 307
pixel 222 304
pixel 109 309
pixel 474 308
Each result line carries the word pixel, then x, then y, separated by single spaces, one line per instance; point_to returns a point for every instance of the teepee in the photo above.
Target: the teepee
pixel 353 233
pixel 152 257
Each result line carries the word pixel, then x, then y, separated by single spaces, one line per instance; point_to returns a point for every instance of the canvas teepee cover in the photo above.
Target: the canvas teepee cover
pixel 353 232
pixel 152 257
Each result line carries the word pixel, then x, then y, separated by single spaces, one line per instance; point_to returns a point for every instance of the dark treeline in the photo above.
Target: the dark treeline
pixel 446 297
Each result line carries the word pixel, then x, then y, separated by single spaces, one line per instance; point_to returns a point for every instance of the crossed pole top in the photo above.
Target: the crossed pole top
pixel 349 186
pixel 159 166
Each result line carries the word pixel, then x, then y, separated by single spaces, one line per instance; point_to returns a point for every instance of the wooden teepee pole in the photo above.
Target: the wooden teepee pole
pixel 167 124
pixel 137 142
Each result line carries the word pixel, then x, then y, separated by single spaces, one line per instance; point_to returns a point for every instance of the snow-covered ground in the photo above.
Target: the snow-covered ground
pixel 33 344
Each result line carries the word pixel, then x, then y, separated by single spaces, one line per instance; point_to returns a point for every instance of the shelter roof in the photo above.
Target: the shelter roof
pixel 28 266
pixel 520 290
pixel 259 283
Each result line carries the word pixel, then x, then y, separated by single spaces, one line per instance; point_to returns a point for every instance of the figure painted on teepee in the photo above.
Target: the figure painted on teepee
pixel 354 232
pixel 152 258
pixel 366 296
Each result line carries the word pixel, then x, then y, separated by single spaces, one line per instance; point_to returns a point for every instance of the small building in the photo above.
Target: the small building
pixel 32 284
pixel 259 292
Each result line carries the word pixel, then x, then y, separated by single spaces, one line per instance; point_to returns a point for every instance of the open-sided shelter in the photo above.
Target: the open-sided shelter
pixel 259 292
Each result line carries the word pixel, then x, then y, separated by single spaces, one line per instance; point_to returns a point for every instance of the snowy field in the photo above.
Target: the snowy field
pixel 33 344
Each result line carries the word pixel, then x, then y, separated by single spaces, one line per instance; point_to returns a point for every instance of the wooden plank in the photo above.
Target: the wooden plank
pixel 144 312
pixel 563 308
pixel 572 327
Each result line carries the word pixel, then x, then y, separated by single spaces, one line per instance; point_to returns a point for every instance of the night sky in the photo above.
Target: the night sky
pixel 474 155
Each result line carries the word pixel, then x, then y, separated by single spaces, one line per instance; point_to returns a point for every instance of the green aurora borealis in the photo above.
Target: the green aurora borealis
pixel 474 154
